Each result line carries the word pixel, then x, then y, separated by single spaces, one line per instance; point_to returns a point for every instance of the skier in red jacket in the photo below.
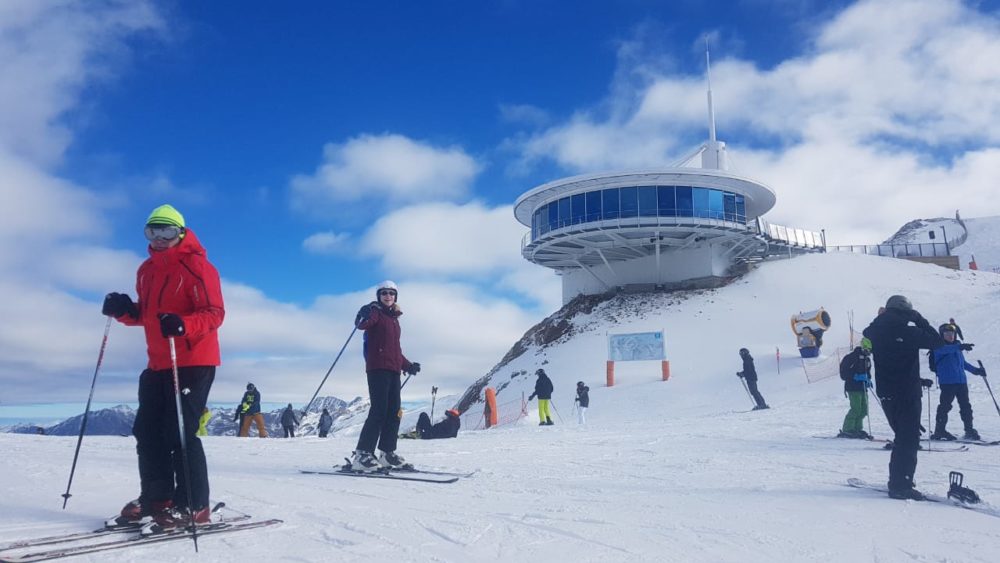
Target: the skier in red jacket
pixel 179 297
pixel 384 360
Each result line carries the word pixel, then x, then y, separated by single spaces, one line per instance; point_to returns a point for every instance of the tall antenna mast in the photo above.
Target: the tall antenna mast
pixel 711 108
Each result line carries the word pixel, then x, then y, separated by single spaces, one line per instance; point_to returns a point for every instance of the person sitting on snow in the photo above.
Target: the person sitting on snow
pixel 447 428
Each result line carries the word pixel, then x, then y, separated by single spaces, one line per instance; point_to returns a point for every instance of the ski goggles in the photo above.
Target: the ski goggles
pixel 386 292
pixel 162 232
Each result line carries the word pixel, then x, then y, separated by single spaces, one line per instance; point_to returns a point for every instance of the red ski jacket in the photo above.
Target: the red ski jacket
pixel 382 349
pixel 182 281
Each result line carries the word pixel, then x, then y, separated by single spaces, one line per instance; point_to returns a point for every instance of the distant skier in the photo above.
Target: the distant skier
pixel 447 428
pixel 384 360
pixel 582 402
pixel 325 422
pixel 749 375
pixel 180 300
pixel 289 421
pixel 895 346
pixel 856 371
pixel 249 411
pixel 543 390
pixel 958 329
pixel 950 366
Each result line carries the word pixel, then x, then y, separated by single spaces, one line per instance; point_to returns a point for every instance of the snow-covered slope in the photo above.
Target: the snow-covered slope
pixel 663 471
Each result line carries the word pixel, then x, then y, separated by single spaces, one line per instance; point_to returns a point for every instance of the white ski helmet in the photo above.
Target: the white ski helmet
pixel 387 284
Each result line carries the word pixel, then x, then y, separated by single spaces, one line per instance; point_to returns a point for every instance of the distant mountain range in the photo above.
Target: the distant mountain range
pixel 118 420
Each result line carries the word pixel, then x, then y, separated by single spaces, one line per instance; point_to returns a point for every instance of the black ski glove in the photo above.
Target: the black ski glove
pixel 171 325
pixel 413 369
pixel 739 374
pixel 531 396
pixel 927 383
pixel 118 304
pixel 364 313
pixel 967 347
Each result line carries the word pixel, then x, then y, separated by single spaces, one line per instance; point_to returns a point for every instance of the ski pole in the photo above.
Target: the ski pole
pixel 553 403
pixel 342 348
pixel 987 382
pixel 867 411
pixel 747 389
pixel 928 419
pixel 434 392
pixel 86 412
pixel 404 382
pixel 184 452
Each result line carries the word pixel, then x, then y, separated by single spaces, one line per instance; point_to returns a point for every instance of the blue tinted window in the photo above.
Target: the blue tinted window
pixel 594 205
pixel 729 207
pixel 610 201
pixel 564 214
pixel 630 202
pixel 741 211
pixel 667 205
pixel 553 215
pixel 647 201
pixel 578 208
pixel 685 205
pixel 715 209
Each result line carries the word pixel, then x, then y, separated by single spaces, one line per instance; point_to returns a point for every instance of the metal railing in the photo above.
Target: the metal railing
pixel 926 249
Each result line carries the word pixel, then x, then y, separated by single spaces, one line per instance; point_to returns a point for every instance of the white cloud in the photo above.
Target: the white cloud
pixel 864 131
pixel 525 114
pixel 391 167
pixel 327 242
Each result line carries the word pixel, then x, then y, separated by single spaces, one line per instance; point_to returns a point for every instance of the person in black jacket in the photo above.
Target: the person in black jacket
pixel 447 428
pixel 856 371
pixel 543 390
pixel 895 346
pixel 749 374
pixel 582 402
pixel 325 422
pixel 289 421
pixel 249 411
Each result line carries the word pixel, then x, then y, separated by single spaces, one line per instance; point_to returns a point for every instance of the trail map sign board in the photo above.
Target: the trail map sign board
pixel 636 346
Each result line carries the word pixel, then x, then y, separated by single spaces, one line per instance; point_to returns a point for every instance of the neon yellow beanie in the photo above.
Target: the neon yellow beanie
pixel 866 344
pixel 166 215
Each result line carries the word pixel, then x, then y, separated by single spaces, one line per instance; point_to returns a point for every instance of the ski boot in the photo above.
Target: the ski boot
pixel 364 462
pixel 135 512
pixel 958 492
pixel 943 435
pixel 176 518
pixel 906 493
pixel 389 460
pixel 971 434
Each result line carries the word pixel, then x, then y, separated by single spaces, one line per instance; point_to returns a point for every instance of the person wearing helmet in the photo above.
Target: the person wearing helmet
pixel 582 402
pixel 180 302
pixel 749 375
pixel 447 428
pixel 897 335
pixel 384 360
pixel 950 365
pixel 856 371
pixel 249 412
pixel 543 390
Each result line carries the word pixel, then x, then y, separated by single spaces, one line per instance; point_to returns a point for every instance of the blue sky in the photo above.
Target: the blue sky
pixel 318 150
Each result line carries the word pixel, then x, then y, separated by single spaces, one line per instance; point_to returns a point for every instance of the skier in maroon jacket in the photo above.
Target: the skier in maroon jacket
pixel 384 360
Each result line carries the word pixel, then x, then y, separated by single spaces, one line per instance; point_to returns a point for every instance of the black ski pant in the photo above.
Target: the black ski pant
pixel 757 397
pixel 903 414
pixel 425 427
pixel 382 425
pixel 322 433
pixel 158 443
pixel 949 392
pixel 289 431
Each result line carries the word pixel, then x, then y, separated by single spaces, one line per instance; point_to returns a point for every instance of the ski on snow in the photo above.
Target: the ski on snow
pixel 982 508
pixel 381 474
pixel 232 525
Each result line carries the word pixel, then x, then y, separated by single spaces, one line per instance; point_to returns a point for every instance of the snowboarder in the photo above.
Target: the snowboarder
pixel 895 346
pixel 325 422
pixel 856 371
pixel 582 402
pixel 950 365
pixel 190 313
pixel 289 421
pixel 749 374
pixel 384 360
pixel 249 411
pixel 543 390
pixel 447 428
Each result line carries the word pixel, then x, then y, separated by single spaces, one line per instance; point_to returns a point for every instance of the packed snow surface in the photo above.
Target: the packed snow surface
pixel 662 471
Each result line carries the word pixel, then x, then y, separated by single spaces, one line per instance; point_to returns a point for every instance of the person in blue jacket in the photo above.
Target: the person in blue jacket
pixel 950 365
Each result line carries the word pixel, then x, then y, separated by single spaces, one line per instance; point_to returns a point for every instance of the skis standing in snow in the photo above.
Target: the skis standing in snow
pixel 749 375
pixel 582 402
pixel 896 346
pixel 950 365
pixel 543 390
pixel 856 371
pixel 180 298
pixel 384 360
